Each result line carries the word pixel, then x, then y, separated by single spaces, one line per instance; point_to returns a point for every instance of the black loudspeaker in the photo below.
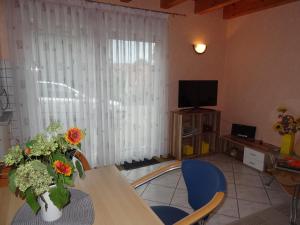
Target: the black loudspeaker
pixel 243 131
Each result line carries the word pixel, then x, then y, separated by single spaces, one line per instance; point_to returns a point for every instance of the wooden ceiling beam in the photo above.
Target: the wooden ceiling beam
pixel 205 6
pixel 245 7
pixel 166 4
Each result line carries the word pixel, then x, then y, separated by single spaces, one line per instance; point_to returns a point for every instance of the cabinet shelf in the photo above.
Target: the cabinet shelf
pixel 190 135
pixel 198 133
pixel 196 130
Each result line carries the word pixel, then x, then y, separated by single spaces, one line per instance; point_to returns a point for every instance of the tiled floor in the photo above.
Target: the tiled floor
pixel 246 192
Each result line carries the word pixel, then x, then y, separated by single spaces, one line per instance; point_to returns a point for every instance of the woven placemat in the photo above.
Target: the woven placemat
pixel 80 211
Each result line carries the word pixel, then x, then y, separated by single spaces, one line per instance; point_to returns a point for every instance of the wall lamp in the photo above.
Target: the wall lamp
pixel 200 48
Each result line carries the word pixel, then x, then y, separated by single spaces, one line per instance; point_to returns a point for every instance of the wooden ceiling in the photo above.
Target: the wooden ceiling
pixel 231 8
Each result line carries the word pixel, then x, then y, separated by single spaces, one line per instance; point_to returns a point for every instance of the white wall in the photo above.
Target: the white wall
pixel 262 69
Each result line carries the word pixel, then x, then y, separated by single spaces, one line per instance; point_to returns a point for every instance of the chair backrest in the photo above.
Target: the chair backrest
pixel 85 163
pixel 4 176
pixel 203 181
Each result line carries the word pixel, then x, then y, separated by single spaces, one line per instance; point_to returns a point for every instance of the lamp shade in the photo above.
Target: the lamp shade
pixel 200 48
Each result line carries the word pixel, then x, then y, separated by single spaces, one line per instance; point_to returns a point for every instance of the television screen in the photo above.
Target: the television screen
pixel 196 93
pixel 243 131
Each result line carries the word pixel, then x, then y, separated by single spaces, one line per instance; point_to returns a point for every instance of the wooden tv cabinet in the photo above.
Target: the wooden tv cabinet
pixel 254 153
pixel 194 127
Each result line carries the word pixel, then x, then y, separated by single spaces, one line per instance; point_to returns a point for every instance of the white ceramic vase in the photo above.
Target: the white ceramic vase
pixel 52 213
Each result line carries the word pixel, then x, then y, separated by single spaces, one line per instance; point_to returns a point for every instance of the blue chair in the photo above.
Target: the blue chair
pixel 206 186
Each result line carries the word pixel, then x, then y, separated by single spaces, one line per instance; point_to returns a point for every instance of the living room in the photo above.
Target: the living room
pixel 252 55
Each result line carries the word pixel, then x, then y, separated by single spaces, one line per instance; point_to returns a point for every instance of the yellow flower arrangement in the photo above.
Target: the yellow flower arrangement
pixel 286 123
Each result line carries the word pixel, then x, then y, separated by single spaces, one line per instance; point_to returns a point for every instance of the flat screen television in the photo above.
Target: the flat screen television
pixel 243 131
pixel 197 93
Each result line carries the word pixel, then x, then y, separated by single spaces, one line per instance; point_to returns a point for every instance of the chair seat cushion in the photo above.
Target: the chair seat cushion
pixel 169 215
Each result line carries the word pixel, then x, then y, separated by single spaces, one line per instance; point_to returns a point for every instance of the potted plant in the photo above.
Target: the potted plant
pixel 287 126
pixel 43 169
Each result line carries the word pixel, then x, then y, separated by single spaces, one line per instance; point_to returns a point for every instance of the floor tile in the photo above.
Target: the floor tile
pixel 177 172
pixel 180 198
pixel 153 203
pixel 249 180
pixel 168 180
pixel 129 180
pixel 188 210
pixel 125 173
pixel 181 183
pixel 247 208
pixel 252 194
pixel 229 177
pixel 224 166
pixel 231 192
pixel 158 193
pixel 141 189
pixel 228 207
pixel 239 167
pixel 278 197
pixel 274 185
pixel 137 173
pixel 220 157
pixel 218 219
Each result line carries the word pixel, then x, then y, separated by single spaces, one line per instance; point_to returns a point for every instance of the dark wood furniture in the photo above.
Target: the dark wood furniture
pixel 85 163
pixel 194 127
pixel 255 153
pixel 4 175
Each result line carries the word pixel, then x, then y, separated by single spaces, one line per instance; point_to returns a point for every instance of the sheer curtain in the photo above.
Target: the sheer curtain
pixel 99 67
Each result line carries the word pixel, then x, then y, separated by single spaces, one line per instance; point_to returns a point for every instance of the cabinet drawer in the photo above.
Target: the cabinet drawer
pixel 253 155
pixel 259 165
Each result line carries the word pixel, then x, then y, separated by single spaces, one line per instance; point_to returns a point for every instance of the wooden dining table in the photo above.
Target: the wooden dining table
pixel 115 201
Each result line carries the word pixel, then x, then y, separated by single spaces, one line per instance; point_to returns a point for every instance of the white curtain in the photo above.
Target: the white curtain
pixel 99 67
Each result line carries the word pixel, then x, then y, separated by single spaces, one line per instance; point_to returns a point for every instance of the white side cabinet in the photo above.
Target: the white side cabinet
pixel 254 158
pixel 4 139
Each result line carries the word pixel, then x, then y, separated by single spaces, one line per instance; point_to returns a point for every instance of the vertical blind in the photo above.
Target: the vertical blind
pixel 98 67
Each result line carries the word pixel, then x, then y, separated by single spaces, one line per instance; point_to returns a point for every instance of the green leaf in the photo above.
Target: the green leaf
pixel 68 181
pixel 31 199
pixel 79 168
pixel 70 163
pixel 60 196
pixel 52 172
pixel 60 157
pixel 29 144
pixel 11 180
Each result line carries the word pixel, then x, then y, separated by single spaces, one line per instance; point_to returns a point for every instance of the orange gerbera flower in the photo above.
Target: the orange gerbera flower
pixel 27 151
pixel 62 168
pixel 74 136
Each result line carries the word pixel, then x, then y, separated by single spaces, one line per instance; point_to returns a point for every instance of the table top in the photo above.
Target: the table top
pixel 115 202
pixel 286 177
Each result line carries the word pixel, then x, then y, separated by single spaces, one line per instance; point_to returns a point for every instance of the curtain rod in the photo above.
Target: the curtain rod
pixel 131 7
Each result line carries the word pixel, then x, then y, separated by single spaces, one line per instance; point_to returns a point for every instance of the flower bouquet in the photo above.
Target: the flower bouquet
pixel 286 123
pixel 45 164
pixel 287 126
